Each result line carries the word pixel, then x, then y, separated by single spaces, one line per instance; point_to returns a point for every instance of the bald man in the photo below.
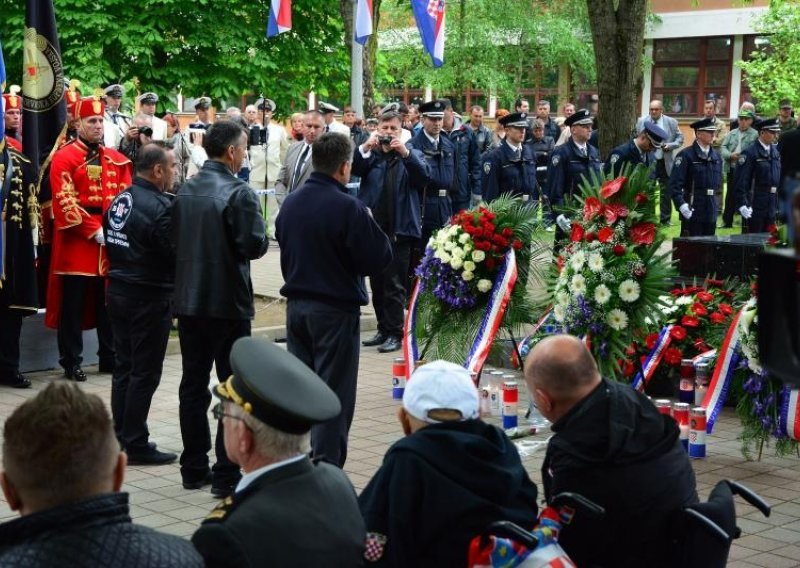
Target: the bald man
pixel 612 446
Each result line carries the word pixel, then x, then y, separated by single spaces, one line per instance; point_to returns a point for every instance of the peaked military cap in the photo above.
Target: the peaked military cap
pixel 148 98
pixel 266 104
pixel 433 109
pixel 581 116
pixel 655 133
pixel 706 124
pixel 518 119
pixel 785 103
pixel 202 103
pixel 116 91
pixel 326 108
pixel 391 107
pixel 277 388
pixel 767 124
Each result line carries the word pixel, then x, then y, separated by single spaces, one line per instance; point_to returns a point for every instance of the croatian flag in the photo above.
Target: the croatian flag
pixel 280 17
pixel 363 28
pixel 430 22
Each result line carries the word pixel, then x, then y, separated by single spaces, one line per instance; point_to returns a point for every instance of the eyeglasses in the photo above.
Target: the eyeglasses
pixel 654 109
pixel 218 412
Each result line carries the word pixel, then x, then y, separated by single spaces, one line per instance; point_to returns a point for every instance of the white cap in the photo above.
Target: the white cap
pixel 441 385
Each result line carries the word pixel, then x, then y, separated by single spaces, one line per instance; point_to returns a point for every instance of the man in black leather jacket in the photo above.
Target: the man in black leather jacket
pixel 218 228
pixel 140 281
pixel 63 470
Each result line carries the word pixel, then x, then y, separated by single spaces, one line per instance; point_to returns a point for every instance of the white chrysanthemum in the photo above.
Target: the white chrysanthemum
pixel 617 319
pixel 578 284
pixel 478 255
pixel 562 297
pixel 684 300
pixel 456 262
pixel 629 290
pixel 596 263
pixel 467 275
pixel 469 265
pixel 559 312
pixel 484 285
pixel 463 238
pixel 602 294
pixel 578 260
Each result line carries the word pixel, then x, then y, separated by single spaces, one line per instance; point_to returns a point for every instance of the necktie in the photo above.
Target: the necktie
pixel 582 152
pixel 299 166
pixel 114 118
pixel 518 154
pixel 435 145
pixel 327 128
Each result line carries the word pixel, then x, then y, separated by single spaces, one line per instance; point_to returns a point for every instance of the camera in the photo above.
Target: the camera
pixel 385 140
pixel 146 130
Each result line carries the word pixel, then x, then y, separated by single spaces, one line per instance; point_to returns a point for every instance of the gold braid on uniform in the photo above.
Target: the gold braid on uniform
pixel 15 200
pixel 66 199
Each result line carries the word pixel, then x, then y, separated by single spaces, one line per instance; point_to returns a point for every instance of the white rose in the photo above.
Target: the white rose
pixel 467 275
pixel 445 257
pixel 478 256
pixel 456 262
pixel 449 245
pixel 457 253
pixel 484 285
pixel 463 238
pixel 469 265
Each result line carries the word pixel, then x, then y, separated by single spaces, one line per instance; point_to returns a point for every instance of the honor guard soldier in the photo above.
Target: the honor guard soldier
pixel 18 298
pixel 511 166
pixel 695 180
pixel 84 178
pixel 331 124
pixel 759 177
pixel 268 145
pixel 437 207
pixel 287 509
pixel 116 123
pixel 147 102
pixel 13 117
pixel 569 164
pixel 467 179
pixel 637 151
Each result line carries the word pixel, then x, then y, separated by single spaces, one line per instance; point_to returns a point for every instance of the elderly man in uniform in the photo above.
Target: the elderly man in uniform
pixel 331 124
pixel 511 166
pixel 733 145
pixel 759 178
pixel 268 146
pixel 116 124
pixel 695 180
pixel 569 164
pixel 637 151
pixel 147 102
pixel 287 510
pixel 85 177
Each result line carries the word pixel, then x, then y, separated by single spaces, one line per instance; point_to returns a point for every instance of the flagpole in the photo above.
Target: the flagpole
pixel 356 70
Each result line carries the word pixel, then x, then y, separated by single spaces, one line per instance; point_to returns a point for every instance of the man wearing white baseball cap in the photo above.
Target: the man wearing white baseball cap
pixel 446 480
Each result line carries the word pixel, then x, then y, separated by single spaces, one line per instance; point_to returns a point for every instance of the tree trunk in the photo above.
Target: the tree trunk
pixel 618 37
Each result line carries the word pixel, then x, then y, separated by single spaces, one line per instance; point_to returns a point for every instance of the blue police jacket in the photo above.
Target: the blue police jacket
pixel 504 173
pixel 694 180
pixel 627 153
pixel 757 180
pixel 567 168
pixel 468 171
pixel 438 207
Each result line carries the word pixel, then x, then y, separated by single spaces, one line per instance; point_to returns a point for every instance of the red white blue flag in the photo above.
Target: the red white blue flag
pixel 363 27
pixel 280 17
pixel 429 15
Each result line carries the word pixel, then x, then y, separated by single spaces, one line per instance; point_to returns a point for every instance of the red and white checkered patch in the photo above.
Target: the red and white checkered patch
pixel 376 543
pixel 434 7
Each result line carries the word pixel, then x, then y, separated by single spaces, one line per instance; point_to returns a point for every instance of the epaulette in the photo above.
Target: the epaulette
pixel 124 162
pixel 19 155
pixel 219 512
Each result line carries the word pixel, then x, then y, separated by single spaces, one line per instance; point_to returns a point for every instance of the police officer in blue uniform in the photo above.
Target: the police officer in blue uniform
pixel 569 164
pixel 695 179
pixel 467 179
pixel 637 151
pixel 439 154
pixel 511 166
pixel 758 178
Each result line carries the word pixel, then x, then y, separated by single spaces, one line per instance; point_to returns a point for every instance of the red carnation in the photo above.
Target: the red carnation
pixel 643 233
pixel 605 234
pixel 699 309
pixel 611 187
pixel 630 350
pixel 725 308
pixel 717 317
pixel 489 263
pixel 650 340
pixel 628 369
pixel 673 356
pixel 560 263
pixel 591 208
pixel 618 250
pixel 690 321
pixel 642 198
pixel 615 211
pixel 704 296
pixel 507 232
pixel 678 333
pixel 577 233
pixel 517 244
pixel 590 236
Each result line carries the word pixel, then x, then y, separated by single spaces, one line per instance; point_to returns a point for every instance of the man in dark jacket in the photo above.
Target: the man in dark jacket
pixel 329 243
pixel 72 512
pixel 467 174
pixel 612 446
pixel 140 281
pixel 758 180
pixel 447 480
pixel 217 228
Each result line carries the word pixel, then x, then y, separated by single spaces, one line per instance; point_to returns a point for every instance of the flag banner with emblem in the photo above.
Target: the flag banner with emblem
pixel 280 17
pixel 723 373
pixel 429 15
pixel 363 24
pixel 789 418
pixel 2 90
pixel 44 112
pixel 653 359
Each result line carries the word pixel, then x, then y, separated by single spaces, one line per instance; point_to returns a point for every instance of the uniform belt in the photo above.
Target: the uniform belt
pixel 766 189
pixel 94 210
pixel 705 191
pixel 443 193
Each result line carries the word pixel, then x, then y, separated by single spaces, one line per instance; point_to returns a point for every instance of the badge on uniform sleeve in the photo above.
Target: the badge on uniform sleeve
pixel 376 543
pixel 742 159
pixel 487 167
pixel 678 160
pixel 554 161
pixel 614 158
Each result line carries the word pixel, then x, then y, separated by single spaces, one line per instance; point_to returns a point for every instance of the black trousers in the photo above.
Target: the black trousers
pixel 77 291
pixel 326 338
pixel 754 225
pixel 389 290
pixel 697 229
pixel 10 327
pixel 665 203
pixel 141 332
pixel 730 199
pixel 205 342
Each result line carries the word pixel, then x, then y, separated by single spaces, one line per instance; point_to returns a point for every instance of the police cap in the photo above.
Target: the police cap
pixel 767 124
pixel 202 103
pixel 274 386
pixel 147 98
pixel 705 124
pixel 326 108
pixel 433 109
pixel 655 133
pixel 115 91
pixel 518 119
pixel 581 116
pixel 746 113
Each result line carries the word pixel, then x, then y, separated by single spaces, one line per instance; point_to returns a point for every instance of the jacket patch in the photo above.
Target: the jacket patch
pixel 376 543
pixel 555 160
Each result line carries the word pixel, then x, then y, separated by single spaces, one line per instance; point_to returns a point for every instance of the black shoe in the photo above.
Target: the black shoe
pixel 199 484
pixel 391 344
pixel 377 339
pixel 75 374
pixel 16 381
pixel 223 490
pixel 151 456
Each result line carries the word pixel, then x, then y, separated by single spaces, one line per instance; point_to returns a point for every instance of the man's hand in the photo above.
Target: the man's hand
pixel 370 144
pixel 734 157
pixel 398 146
pixel 745 211
pixel 563 223
pixel 99 238
pixel 197 138
pixel 132 133
pixel 686 211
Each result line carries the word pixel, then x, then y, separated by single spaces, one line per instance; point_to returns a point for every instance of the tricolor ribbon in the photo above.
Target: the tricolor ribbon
pixel 790 413
pixel 710 354
pixel 653 359
pixel 723 371
pixel 410 349
pixel 493 315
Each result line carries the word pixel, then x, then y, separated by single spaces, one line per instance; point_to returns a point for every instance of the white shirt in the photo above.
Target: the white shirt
pixel 434 141
pixel 765 146
pixel 250 477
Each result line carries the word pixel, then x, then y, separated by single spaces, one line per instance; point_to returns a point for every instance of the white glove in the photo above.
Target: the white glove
pixel 745 211
pixel 686 211
pixel 563 223
pixel 99 238
pixel 476 199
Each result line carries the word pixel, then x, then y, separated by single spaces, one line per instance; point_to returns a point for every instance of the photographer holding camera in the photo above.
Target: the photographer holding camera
pixel 139 134
pixel 391 176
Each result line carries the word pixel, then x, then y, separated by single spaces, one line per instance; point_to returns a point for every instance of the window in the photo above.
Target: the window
pixel 687 72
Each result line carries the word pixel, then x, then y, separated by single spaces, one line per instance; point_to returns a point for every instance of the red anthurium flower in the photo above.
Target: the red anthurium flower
pixel 614 211
pixel 517 244
pixel 678 333
pixel 701 345
pixel 618 250
pixel 726 309
pixel 690 321
pixel 605 234
pixel 507 232
pixel 643 233
pixel 715 283
pixel 673 356
pixel 577 233
pixel 699 309
pixel 612 187
pixel 591 208
pixel 717 317
pixel 650 340
pixel 641 198
pixel 704 296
